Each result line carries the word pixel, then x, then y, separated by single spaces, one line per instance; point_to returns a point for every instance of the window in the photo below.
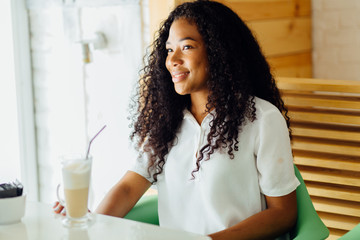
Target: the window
pixel 17 139
pixel 9 137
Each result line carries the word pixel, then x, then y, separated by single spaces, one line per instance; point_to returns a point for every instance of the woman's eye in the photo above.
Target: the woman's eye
pixel 169 50
pixel 186 47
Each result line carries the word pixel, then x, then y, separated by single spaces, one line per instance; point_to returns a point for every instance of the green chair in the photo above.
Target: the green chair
pixel 308 227
pixel 353 234
pixel 145 210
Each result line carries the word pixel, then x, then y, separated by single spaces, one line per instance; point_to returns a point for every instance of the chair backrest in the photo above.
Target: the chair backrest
pixel 309 224
pixel 146 210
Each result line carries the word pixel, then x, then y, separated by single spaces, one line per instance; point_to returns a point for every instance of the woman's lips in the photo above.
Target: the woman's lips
pixel 179 76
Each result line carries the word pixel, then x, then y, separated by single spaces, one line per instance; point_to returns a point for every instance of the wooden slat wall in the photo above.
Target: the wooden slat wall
pixel 325 116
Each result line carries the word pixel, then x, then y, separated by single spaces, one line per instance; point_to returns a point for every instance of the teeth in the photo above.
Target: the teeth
pixel 179 75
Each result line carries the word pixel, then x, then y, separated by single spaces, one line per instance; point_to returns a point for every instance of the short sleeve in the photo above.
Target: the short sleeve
pixel 274 156
pixel 140 166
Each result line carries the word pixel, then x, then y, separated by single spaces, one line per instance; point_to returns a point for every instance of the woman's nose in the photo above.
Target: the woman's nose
pixel 176 58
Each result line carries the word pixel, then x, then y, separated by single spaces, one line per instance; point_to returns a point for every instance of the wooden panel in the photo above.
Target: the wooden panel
pixel 335 234
pixel 321 101
pixel 327 147
pixel 342 193
pixel 158 12
pixel 330 177
pixel 317 132
pixel 336 207
pixel 292 65
pixel 330 118
pixel 283 36
pixel 269 9
pixel 329 163
pixel 325 117
pixel 325 85
pixel 283 29
pixel 178 2
pixel 339 221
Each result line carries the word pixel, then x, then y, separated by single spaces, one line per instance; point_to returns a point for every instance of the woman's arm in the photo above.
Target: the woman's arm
pixel 279 217
pixel 124 195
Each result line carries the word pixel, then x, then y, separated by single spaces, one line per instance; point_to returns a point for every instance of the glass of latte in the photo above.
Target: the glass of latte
pixel 76 172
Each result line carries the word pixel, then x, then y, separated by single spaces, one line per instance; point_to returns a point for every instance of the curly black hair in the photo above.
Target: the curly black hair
pixel 238 71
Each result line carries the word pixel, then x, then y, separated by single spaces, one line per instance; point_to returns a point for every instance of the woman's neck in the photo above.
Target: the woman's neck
pixel 198 106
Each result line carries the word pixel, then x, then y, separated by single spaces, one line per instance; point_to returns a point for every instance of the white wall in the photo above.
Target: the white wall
pixel 109 80
pixel 59 101
pixel 336 39
pixel 73 99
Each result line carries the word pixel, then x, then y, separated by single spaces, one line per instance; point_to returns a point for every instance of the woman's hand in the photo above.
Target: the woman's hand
pixel 59 209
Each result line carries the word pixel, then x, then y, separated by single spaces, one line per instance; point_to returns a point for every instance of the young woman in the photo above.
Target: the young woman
pixel 210 131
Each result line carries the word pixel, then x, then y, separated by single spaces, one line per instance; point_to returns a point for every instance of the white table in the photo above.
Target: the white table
pixel 40 223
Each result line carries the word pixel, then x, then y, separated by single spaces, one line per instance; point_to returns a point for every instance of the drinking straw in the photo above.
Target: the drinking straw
pixel 88 150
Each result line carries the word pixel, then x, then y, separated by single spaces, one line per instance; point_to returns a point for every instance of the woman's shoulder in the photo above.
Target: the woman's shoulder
pixel 267 113
pixel 263 107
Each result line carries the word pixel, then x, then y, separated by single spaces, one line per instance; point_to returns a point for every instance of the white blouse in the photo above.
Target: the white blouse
pixel 225 191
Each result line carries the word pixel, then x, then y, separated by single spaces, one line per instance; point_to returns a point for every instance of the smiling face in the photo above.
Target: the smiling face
pixel 187 58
